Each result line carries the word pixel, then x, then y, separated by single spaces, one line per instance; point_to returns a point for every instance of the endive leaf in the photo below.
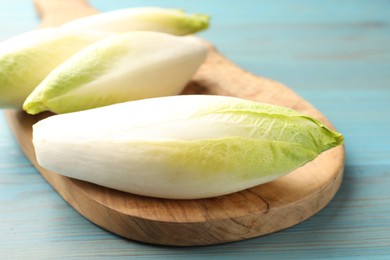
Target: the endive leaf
pixel 124 67
pixel 181 147
pixel 27 59
pixel 157 19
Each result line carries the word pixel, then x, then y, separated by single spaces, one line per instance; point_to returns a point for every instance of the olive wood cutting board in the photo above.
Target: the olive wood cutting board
pixel 253 212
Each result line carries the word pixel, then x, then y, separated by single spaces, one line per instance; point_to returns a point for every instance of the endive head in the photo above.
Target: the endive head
pixel 125 67
pixel 173 21
pixel 181 146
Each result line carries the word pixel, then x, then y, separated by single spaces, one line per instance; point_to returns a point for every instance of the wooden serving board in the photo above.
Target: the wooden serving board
pixel 254 212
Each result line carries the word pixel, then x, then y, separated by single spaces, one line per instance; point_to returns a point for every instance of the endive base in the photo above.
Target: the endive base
pixel 254 212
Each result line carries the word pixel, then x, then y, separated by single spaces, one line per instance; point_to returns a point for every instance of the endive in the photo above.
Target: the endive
pixel 173 21
pixel 124 67
pixel 27 59
pixel 181 147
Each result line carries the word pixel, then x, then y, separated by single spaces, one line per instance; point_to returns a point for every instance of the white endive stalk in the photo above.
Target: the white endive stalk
pixel 181 147
pixel 27 59
pixel 172 21
pixel 124 67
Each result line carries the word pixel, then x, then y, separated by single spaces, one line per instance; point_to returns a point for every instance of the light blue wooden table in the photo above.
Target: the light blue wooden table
pixel 336 54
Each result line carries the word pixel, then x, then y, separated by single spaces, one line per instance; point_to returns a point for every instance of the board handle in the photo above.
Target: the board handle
pixel 56 12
